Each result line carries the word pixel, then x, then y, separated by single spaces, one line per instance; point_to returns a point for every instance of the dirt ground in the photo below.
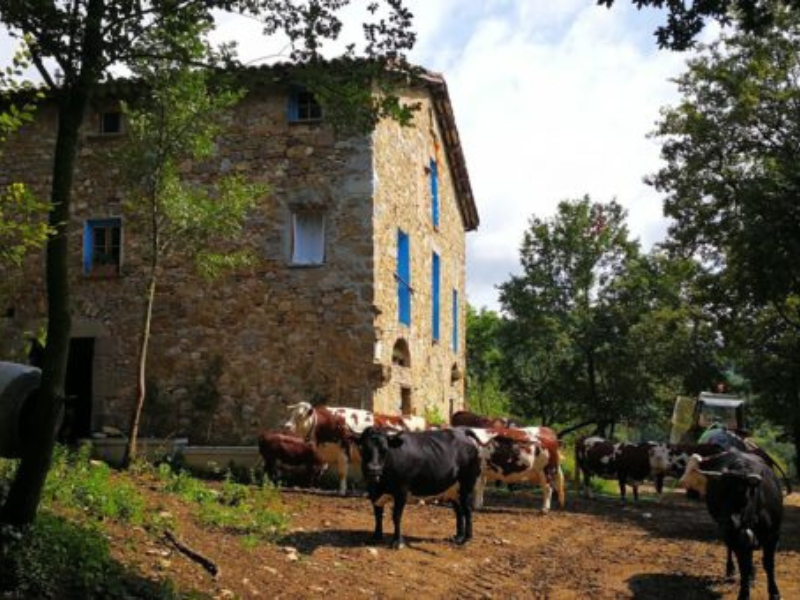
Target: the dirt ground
pixel 592 549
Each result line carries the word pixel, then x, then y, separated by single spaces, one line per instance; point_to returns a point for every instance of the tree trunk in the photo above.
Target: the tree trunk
pixel 141 384
pixel 41 418
pixel 796 436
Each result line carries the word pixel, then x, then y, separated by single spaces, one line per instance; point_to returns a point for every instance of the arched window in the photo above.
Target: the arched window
pixel 401 356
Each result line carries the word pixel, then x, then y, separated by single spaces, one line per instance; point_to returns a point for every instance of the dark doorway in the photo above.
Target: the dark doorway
pixel 405 401
pixel 78 390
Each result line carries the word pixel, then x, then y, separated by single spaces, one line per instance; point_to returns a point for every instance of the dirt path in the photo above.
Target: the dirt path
pixel 593 549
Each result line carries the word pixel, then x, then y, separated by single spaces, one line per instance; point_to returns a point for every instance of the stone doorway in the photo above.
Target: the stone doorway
pixel 405 401
pixel 78 390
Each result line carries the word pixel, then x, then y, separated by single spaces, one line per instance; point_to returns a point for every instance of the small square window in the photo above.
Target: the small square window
pixel 308 238
pixel 111 122
pixel 303 107
pixel 102 245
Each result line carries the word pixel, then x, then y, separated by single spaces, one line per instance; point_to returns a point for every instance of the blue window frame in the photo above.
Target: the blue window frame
pixel 403 276
pixel 436 272
pixel 303 106
pixel 455 321
pixel 434 176
pixel 102 243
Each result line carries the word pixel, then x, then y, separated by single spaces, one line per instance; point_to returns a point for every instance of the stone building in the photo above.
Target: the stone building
pixel 357 297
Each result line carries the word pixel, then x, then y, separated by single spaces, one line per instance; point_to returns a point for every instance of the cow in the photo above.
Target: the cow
pixel 744 497
pixel 513 456
pixel 437 463
pixel 628 463
pixel 465 418
pixel 285 452
pixel 333 430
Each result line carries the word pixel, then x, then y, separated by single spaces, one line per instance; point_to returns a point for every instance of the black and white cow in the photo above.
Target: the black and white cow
pixel 744 497
pixel 428 464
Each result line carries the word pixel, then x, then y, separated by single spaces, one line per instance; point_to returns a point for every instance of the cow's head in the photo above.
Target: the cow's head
pixel 696 478
pixel 374 446
pixel 301 419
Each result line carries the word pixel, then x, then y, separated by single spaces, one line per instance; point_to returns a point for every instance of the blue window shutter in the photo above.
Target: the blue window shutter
pixel 403 277
pixel 435 276
pixel 292 110
pixel 434 193
pixel 455 320
pixel 88 245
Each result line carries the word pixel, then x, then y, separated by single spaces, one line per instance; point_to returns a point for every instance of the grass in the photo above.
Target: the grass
pixel 66 553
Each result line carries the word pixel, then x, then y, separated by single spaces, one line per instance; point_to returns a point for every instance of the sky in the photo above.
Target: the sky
pixel 553 100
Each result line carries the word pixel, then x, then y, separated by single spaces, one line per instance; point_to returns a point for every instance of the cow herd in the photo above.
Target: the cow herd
pixel 401 456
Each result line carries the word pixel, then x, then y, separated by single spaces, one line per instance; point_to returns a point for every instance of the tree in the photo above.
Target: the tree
pixel 73 44
pixel 23 226
pixel 484 364
pixel 174 123
pixel 685 20
pixel 732 179
pixel 555 340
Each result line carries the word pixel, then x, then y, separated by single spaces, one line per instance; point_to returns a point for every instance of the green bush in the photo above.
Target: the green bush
pixel 78 483
pixel 233 507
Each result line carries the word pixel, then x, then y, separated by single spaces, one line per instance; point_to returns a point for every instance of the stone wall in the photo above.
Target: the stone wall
pixel 433 379
pixel 227 356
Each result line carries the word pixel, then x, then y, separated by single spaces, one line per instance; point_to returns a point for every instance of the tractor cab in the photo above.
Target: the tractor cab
pixel 693 416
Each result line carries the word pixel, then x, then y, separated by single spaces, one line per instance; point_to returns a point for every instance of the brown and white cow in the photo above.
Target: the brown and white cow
pixel 334 431
pixel 285 453
pixel 466 418
pixel 528 455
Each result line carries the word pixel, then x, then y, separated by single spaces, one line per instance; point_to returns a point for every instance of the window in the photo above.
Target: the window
pixel 303 106
pixel 101 246
pixel 111 122
pixel 308 238
pixel 434 177
pixel 403 276
pixel 436 270
pixel 455 321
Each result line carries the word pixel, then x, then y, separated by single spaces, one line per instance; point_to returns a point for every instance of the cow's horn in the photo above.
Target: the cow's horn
pixel 710 474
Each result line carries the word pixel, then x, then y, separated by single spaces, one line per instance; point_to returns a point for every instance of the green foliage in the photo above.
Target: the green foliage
pixel 485 394
pixel 87 487
pixel 434 416
pixel 685 20
pixel 23 225
pixel 732 179
pixel 233 507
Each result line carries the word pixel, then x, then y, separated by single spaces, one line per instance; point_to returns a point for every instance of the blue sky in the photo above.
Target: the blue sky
pixel 553 100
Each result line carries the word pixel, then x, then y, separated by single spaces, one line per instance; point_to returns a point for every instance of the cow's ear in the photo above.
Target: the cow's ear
pixel 310 412
pixel 395 441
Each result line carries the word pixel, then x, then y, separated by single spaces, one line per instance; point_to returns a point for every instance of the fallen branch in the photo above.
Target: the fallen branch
pixel 204 562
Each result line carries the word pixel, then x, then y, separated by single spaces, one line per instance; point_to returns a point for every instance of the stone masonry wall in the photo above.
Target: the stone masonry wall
pixel 434 378
pixel 226 356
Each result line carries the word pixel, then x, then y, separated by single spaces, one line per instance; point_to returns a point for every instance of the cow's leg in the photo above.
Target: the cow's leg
pixel 635 487
pixel 547 492
pixel 377 510
pixel 459 511
pixel 562 499
pixel 397 516
pixel 587 488
pixel 659 483
pixel 480 486
pixel 769 568
pixel 343 464
pixel 465 498
pixel 730 569
pixel 744 556
pixel 622 482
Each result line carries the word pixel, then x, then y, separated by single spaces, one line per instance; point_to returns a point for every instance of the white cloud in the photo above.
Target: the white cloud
pixel 553 103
